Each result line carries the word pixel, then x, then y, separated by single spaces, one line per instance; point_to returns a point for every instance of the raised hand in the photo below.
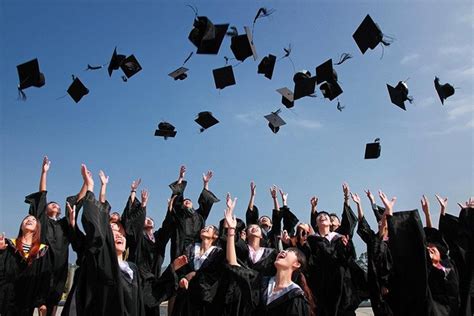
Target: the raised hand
pixel 87 176
pixel 135 184
pixel 273 191
pixel 103 178
pixel 284 197
pixel 253 188
pixel 206 177
pixel 387 203
pixel 46 164
pixel 144 197
pixel 346 190
pixel 229 212
pixel 355 197
pixel 468 203
pixel 182 172
pixel 179 262
pixel 443 203
pixel 425 205
pixel 184 283
pixel 285 238
pixel 370 196
pixel 72 214
pixel 3 244
pixel 314 203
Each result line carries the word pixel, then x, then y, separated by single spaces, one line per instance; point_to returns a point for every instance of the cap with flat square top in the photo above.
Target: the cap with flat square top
pixel 399 94
pixel 367 35
pixel 165 130
pixel 77 90
pixel 205 120
pixel 130 66
pixel 242 45
pixel 275 121
pixel 304 84
pixel 179 74
pixel 29 75
pixel 115 62
pixel 372 150
pixel 444 90
pixel 223 77
pixel 330 90
pixel 326 72
pixel 287 98
pixel 206 36
pixel 267 65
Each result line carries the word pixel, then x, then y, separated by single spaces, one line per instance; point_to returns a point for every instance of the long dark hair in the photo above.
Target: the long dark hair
pixel 299 278
pixel 35 242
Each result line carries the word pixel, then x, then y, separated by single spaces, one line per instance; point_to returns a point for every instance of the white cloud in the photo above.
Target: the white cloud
pixel 425 102
pixel 454 50
pixel 460 108
pixel 249 118
pixel 453 128
pixel 409 58
pixel 305 124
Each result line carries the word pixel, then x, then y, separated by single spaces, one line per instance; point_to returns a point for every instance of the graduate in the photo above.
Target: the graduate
pixel 55 235
pixel 277 295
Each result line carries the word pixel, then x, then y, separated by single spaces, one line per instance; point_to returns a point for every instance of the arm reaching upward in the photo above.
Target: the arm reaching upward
pixel 231 224
pixel 44 173
pixel 104 180
pixel 425 206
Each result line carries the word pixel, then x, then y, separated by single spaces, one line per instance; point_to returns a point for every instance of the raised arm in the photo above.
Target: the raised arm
pixel 387 203
pixel 443 203
pixel 182 173
pixel 177 189
pixel 133 189
pixel 251 216
pixel 273 193
pixel 206 177
pixel 425 206
pixel 314 212
pixel 360 212
pixel 230 223
pixel 207 198
pixel 253 191
pixel 44 173
pixel 104 180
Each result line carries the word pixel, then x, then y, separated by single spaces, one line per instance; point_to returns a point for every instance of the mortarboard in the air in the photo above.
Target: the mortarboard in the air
pixel 444 91
pixel 267 65
pixel 399 94
pixel 179 74
pixel 372 150
pixel 130 66
pixel 206 120
pixel 368 35
pixel 287 98
pixel 242 45
pixel 326 72
pixel 331 90
pixel 165 130
pixel 275 121
pixel 29 75
pixel 77 90
pixel 115 62
pixel 206 36
pixel 304 84
pixel 223 77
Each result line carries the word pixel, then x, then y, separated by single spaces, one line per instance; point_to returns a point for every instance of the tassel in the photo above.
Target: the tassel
pixel 343 58
pixel 195 10
pixel 232 32
pixel 263 12
pixel 89 67
pixel 21 95
pixel 124 78
pixel 340 107
pixel 187 58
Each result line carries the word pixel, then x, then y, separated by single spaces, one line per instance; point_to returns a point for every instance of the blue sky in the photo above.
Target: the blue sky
pixel 426 150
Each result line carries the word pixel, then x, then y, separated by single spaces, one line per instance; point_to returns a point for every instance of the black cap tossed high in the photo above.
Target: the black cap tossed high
pixel 275 121
pixel 287 97
pixel 267 65
pixel 179 74
pixel 77 90
pixel 206 36
pixel 165 130
pixel 399 94
pixel 223 77
pixel 242 45
pixel 206 120
pixel 372 150
pixel 327 75
pixel 130 66
pixel 115 61
pixel 29 76
pixel 444 91
pixel 304 84
pixel 368 35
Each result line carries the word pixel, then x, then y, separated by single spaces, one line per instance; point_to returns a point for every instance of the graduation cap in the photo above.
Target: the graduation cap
pixel 287 98
pixel 179 74
pixel 304 84
pixel 206 120
pixel 399 94
pixel 368 35
pixel 165 130
pixel 242 45
pixel 223 77
pixel 130 66
pixel 77 90
pixel 29 76
pixel 206 36
pixel 331 90
pixel 275 121
pixel 115 62
pixel 267 65
pixel 327 75
pixel 444 91
pixel 372 150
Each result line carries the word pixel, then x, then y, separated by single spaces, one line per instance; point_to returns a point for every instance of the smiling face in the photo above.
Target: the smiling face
pixel 254 231
pixel 302 231
pixel 265 222
pixel 114 217
pixel 287 259
pixel 53 210
pixel 149 224
pixel 335 223
pixel 120 242
pixel 209 232
pixel 323 221
pixel 187 203
pixel 29 224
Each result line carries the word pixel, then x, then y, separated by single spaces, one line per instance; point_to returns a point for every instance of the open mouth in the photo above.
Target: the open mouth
pixel 281 255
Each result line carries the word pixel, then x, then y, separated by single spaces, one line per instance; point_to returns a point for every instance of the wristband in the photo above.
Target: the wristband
pixel 133 191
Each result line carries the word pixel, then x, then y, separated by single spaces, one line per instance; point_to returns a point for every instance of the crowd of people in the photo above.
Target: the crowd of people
pixel 260 265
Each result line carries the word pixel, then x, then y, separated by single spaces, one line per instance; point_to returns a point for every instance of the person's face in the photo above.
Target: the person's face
pixel 29 224
pixel 265 222
pixel 287 260
pixel 53 210
pixel 434 253
pixel 302 233
pixel 254 231
pixel 187 203
pixel 114 217
pixel 208 233
pixel 243 235
pixel 119 240
pixel 323 220
pixel 149 223
pixel 335 223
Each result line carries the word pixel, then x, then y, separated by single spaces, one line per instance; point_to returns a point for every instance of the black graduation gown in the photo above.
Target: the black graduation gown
pixel 27 282
pixel 409 292
pixel 379 268
pixel 327 274
pixel 266 264
pixel 200 297
pixel 253 292
pixel 459 234
pixel 54 233
pixel 6 285
pixel 187 224
pixel 444 289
